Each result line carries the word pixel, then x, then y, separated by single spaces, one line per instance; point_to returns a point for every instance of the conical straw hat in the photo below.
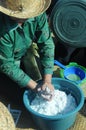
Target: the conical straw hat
pixel 6 120
pixel 24 8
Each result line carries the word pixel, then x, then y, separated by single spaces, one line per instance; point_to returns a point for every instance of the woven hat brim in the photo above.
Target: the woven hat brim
pixel 6 119
pixel 36 9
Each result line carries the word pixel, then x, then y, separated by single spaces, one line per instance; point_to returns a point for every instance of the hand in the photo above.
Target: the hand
pixel 48 89
pixel 48 85
pixel 45 90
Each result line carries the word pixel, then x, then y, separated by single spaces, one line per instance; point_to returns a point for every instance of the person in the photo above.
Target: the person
pixel 24 31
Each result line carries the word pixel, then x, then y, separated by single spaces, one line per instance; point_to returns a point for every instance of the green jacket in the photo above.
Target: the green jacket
pixel 15 40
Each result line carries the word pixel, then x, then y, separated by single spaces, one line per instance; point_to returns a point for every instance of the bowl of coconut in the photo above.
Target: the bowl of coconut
pixel 60 112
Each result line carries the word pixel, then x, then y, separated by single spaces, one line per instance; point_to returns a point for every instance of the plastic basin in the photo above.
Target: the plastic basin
pixel 57 122
pixel 74 73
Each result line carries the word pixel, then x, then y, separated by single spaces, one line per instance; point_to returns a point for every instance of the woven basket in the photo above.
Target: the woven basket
pixel 25 129
pixel 6 120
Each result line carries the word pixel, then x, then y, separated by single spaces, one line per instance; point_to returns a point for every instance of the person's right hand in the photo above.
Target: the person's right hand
pixel 41 89
pixel 44 92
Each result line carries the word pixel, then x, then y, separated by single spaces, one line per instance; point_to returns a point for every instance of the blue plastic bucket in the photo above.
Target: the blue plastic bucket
pixel 57 122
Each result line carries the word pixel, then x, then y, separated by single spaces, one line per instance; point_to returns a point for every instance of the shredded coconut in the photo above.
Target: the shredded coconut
pixel 60 104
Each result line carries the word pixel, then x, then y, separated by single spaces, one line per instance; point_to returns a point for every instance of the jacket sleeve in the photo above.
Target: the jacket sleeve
pixel 45 44
pixel 7 62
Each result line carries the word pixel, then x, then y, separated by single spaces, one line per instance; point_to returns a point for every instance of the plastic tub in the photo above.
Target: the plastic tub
pixel 58 122
pixel 68 22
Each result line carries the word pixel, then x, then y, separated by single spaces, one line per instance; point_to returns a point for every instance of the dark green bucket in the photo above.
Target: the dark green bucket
pixel 68 22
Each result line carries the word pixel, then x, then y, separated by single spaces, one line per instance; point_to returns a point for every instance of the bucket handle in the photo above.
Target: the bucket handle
pixel 59 64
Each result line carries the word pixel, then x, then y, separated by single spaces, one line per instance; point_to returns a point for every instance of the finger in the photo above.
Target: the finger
pixel 39 89
pixel 44 87
pixel 47 97
pixel 51 87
